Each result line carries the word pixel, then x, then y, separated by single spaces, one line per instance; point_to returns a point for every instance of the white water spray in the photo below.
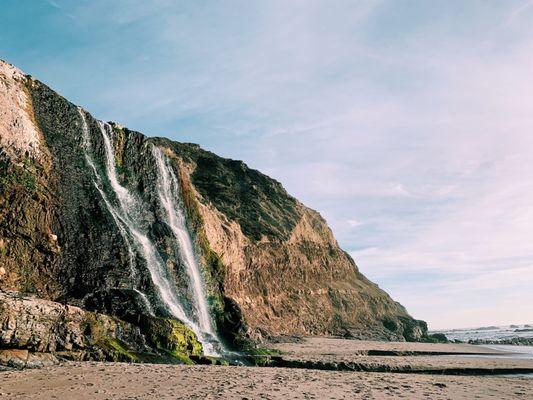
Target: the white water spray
pixel 145 301
pixel 99 186
pixel 169 192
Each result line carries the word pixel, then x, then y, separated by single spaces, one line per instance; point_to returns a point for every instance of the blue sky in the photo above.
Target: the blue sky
pixel 407 124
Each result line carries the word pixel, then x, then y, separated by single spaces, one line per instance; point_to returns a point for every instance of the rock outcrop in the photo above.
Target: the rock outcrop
pixel 43 326
pixel 269 265
pixel 36 332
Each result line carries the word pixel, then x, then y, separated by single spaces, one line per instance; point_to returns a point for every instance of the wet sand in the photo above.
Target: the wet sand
pixel 462 359
pixel 322 345
pixel 101 381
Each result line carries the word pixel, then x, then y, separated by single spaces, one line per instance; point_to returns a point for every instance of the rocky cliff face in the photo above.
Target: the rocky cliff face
pixel 103 218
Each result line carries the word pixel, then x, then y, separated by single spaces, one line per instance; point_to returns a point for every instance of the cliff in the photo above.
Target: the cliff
pixel 106 219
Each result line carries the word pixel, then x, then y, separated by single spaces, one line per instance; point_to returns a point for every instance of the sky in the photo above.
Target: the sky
pixel 407 124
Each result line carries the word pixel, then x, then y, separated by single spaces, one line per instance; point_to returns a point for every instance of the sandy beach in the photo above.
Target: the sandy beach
pixel 101 381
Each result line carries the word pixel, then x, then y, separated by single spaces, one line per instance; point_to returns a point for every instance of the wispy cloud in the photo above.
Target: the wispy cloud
pixel 53 4
pixel 521 9
pixel 62 9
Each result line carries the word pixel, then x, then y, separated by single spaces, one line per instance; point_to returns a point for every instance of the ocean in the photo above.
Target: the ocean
pixel 495 334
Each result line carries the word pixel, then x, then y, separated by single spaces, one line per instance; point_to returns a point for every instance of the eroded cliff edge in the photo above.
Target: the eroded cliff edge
pixel 271 265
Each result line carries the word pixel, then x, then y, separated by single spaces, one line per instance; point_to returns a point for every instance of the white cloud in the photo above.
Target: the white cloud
pixel 521 9
pixel 353 223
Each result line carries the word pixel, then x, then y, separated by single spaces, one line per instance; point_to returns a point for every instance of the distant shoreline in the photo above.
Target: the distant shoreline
pixel 515 335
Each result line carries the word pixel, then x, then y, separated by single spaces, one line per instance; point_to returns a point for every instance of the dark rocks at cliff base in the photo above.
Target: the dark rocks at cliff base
pixel 516 341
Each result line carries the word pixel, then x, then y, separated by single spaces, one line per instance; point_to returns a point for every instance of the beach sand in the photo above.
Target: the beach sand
pixel 451 358
pixel 91 380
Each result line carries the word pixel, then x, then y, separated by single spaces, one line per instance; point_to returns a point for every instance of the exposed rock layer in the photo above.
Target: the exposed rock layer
pixel 45 326
pixel 34 331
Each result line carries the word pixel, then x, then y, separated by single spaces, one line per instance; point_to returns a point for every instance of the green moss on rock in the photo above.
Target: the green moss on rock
pixel 116 350
pixel 172 337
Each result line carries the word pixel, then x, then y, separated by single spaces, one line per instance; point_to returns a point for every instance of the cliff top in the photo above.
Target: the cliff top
pixel 18 133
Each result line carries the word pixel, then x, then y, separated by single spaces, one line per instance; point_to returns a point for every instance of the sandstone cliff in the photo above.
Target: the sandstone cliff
pixel 101 232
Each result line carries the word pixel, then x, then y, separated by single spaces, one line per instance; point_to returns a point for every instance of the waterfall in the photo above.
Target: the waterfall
pixel 125 210
pixel 145 301
pixel 169 193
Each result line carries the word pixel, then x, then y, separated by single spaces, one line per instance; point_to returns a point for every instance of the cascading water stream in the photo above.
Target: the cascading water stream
pixel 99 186
pixel 124 216
pixel 169 193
